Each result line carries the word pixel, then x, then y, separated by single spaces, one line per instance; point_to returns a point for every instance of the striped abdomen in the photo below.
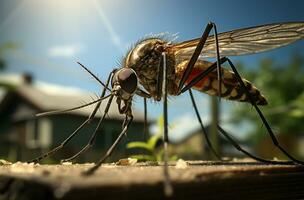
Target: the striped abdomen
pixel 231 89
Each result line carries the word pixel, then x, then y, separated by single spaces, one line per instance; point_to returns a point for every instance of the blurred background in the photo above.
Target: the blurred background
pixel 41 41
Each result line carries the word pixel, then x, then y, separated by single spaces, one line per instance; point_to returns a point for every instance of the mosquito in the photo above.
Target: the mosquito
pixel 156 68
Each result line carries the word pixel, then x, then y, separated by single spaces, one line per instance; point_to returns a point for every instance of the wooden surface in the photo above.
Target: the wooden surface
pixel 197 180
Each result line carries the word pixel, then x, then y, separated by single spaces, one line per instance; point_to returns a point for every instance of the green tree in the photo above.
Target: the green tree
pixel 283 87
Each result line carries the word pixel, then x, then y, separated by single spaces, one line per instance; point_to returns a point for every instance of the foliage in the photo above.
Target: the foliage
pixel 283 87
pixel 297 109
pixel 150 146
pixel 155 153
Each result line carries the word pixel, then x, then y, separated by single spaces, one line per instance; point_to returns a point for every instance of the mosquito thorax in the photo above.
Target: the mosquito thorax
pixel 124 83
pixel 149 48
pixel 145 59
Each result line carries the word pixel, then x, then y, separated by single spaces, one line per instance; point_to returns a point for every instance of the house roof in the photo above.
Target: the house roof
pixel 47 97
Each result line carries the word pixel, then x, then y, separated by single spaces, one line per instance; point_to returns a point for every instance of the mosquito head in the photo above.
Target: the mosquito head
pixel 124 83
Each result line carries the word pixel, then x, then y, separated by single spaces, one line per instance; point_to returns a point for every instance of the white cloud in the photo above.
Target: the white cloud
pixel 65 51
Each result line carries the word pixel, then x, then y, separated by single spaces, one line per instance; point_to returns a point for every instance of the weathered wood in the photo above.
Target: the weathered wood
pixel 199 180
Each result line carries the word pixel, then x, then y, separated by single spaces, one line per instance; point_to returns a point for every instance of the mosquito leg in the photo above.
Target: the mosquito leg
pixel 145 120
pixel 57 112
pixel 145 95
pixel 196 54
pixel 237 146
pixel 93 137
pixel 127 122
pixel 219 71
pixel 161 90
pixel 43 156
pixel 167 183
pixel 231 140
pixel 269 130
pixel 51 152
pixel 102 96
pixel 202 126
pixel 90 118
pixel 213 67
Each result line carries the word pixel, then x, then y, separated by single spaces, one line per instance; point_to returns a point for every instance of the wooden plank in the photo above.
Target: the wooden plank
pixel 197 180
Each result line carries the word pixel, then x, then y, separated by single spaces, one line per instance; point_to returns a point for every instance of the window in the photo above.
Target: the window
pixel 44 133
pixel 30 138
pixel 38 133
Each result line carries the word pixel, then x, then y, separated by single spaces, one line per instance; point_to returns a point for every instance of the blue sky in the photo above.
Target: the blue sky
pixel 54 34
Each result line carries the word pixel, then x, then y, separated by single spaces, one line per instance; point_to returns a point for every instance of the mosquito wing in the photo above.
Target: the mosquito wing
pixel 245 41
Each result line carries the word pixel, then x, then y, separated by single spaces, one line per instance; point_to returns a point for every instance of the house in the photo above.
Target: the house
pixel 294 143
pixel 24 136
pixel 194 146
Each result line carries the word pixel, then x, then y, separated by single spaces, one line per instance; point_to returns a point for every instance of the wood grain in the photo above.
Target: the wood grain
pixel 198 180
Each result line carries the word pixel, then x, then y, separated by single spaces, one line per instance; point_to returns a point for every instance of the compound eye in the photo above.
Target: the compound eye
pixel 127 79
